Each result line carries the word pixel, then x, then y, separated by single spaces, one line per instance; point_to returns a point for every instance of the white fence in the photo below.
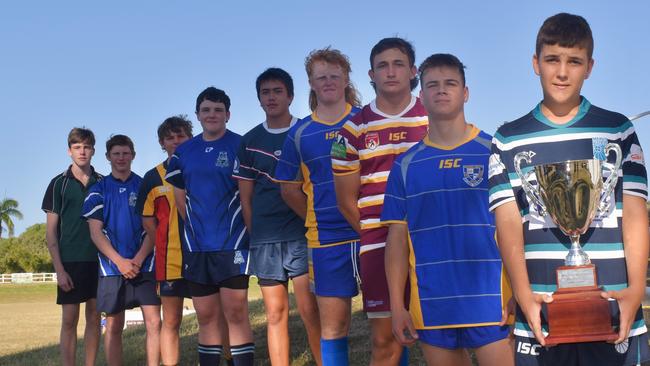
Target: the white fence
pixel 27 277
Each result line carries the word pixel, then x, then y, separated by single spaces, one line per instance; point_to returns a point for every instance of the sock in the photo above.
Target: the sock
pixel 334 351
pixel 243 354
pixel 210 355
pixel 404 360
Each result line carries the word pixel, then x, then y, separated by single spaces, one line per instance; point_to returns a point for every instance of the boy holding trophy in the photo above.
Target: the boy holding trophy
pixel 570 174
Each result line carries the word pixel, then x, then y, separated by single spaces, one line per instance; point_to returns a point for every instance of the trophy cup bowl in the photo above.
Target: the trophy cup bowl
pixel 572 193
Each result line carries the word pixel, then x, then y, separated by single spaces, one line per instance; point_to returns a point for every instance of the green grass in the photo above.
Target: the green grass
pixel 30 321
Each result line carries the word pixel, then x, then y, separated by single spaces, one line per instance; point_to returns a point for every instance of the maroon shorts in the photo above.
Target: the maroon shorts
pixel 373 281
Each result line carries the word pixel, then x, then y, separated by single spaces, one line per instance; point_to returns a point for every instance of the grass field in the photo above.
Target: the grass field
pixel 30 321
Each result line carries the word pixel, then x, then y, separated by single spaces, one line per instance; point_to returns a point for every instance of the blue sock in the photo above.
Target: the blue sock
pixel 210 355
pixel 404 360
pixel 334 351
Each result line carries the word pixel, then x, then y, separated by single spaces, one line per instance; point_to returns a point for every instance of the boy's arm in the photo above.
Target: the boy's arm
pixel 510 236
pixel 396 263
pixel 145 249
pixel 246 198
pixel 295 198
pixel 347 195
pixel 63 280
pixel 150 225
pixel 179 197
pixel 635 243
pixel 102 243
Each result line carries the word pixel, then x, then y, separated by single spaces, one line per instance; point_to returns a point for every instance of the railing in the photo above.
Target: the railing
pixel 27 278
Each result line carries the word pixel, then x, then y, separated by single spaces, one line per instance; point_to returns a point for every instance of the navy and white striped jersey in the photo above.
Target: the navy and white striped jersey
pixel 204 169
pixel 112 201
pixel 545 246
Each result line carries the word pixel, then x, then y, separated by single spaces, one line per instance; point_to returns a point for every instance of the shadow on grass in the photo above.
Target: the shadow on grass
pixel 134 350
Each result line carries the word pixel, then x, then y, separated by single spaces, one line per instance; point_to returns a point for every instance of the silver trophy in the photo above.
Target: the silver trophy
pixel 572 193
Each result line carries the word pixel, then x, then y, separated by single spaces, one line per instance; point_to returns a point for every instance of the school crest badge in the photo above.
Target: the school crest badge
pixel 133 198
pixel 473 174
pixel 239 258
pixel 222 160
pixel 598 146
pixel 372 140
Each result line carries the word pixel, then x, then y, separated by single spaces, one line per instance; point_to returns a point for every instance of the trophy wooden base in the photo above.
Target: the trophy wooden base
pixel 579 314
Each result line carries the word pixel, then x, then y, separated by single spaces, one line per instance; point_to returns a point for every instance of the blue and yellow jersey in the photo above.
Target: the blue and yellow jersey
pixel 455 270
pixel 213 211
pixel 112 201
pixel 156 199
pixel 306 160
pixel 545 246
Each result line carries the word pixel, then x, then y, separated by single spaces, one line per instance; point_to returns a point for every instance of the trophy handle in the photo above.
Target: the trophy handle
pixel 611 181
pixel 529 189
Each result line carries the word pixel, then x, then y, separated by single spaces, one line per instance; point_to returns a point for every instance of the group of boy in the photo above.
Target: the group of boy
pixel 403 196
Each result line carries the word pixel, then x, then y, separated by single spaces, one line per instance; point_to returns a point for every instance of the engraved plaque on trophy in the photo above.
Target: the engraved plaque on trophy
pixel 572 193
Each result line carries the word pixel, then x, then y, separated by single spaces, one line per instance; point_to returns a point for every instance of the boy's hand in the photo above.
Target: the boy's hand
pixel 403 328
pixel 628 304
pixel 126 267
pixel 531 306
pixel 64 281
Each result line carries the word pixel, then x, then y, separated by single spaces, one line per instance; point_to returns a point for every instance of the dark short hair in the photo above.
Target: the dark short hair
pixel 565 30
pixel 442 60
pixel 81 134
pixel 399 43
pixel 275 73
pixel 119 140
pixel 214 95
pixel 176 124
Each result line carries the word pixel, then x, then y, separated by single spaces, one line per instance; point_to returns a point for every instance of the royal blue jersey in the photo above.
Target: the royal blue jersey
pixel 112 201
pixel 306 160
pixel 441 194
pixel 203 169
pixel 545 246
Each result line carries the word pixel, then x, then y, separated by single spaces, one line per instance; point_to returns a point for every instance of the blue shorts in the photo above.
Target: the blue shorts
pixel 279 261
pixel 470 337
pixel 116 293
pixel 212 268
pixel 174 288
pixel 633 351
pixel 334 271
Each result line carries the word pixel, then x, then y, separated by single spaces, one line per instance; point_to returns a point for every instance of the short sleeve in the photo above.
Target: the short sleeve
pixel 93 207
pixel 498 179
pixel 243 166
pixel 345 154
pixel 175 171
pixel 288 168
pixel 52 199
pixel 144 206
pixel 394 210
pixel 635 180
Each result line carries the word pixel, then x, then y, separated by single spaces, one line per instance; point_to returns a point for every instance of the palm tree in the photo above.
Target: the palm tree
pixel 8 210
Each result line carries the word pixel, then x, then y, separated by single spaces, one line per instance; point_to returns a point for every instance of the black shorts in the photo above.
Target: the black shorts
pixel 116 293
pixel 84 278
pixel 239 282
pixel 174 288
pixel 633 351
pixel 212 268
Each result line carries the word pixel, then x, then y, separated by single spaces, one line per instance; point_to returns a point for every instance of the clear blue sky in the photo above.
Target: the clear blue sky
pixel 123 67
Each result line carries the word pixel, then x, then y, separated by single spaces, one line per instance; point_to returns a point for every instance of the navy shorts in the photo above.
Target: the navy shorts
pixel 470 337
pixel 528 352
pixel 278 262
pixel 239 282
pixel 333 271
pixel 84 279
pixel 212 268
pixel 174 288
pixel 116 293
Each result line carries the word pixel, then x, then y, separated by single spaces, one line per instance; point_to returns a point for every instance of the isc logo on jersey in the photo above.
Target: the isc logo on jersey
pixel 528 349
